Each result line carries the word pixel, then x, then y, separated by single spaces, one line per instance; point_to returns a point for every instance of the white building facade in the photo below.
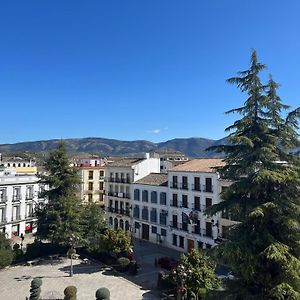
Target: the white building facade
pixel 150 208
pixel 19 196
pixel 120 174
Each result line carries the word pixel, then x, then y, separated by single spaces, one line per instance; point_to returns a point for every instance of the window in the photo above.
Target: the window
pixel 208 202
pixel 153 197
pixel 181 241
pixel 154 229
pixel 17 194
pixel 101 173
pixel 153 215
pixel 174 221
pixel 3 196
pixel 91 186
pixel 91 174
pixel 136 212
pixel 163 218
pixel 224 189
pixel 163 232
pixel 127 177
pixel 163 198
pixel 184 183
pixel 101 186
pixel 29 192
pixel 185 201
pixel 197 227
pixel 174 182
pixel 174 243
pixel 208 230
pixel 145 213
pixel 175 200
pixel 208 185
pixel 90 197
pixel 196 184
pixel 137 194
pixel 110 221
pixel 197 203
pixel 145 196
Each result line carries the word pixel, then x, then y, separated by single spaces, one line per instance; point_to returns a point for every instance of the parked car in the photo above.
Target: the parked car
pixel 224 273
pixel 167 262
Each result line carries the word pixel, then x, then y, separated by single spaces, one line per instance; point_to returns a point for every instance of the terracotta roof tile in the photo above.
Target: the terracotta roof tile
pixel 206 165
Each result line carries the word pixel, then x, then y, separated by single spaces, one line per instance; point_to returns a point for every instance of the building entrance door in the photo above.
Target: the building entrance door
pixel 191 245
pixel 145 232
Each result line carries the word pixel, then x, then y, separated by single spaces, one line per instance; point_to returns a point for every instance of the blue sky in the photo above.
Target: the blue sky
pixel 137 69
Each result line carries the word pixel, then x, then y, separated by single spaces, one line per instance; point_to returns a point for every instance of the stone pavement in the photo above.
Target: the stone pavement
pixel 15 281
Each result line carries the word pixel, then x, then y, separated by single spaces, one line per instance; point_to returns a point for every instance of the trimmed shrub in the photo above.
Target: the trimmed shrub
pixel 103 294
pixel 70 292
pixel 6 253
pixel 38 249
pixel 123 264
pixel 35 289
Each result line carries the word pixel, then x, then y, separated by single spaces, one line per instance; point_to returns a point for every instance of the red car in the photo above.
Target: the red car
pixel 167 263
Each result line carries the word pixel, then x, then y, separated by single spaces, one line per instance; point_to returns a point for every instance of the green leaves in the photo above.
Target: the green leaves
pixel 263 249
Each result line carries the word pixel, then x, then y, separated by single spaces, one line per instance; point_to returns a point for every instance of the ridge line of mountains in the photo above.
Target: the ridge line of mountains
pixel 191 147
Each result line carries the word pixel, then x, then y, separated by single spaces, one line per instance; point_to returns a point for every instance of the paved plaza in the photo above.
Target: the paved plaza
pixel 15 281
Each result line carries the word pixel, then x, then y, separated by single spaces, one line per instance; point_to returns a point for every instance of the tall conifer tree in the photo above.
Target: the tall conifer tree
pixel 59 219
pixel 264 249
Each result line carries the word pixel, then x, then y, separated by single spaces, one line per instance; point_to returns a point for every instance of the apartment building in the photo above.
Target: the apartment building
pixel 150 208
pixel 19 196
pixel 92 174
pixel 193 187
pixel 120 174
pixel 20 165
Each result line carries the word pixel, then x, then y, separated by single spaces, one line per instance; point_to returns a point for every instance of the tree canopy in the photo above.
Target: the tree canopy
pixel 264 249
pixel 60 217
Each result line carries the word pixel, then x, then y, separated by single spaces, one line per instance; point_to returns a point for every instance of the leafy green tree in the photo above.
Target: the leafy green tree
pixel 194 274
pixel 115 241
pixel 264 249
pixel 60 217
pixel 93 224
pixel 6 253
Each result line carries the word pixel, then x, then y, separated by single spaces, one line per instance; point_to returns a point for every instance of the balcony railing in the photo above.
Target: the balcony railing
pixel 196 187
pixel 207 233
pixel 29 197
pixel 16 218
pixel 3 221
pixel 174 224
pixel 17 197
pixel 184 186
pixel 174 203
pixel 208 188
pixel 174 185
pixel 119 195
pixel 3 198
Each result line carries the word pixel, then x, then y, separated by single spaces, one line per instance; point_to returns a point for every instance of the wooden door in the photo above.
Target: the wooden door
pixel 145 232
pixel 191 245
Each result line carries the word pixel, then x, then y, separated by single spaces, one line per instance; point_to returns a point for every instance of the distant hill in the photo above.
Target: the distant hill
pixel 192 147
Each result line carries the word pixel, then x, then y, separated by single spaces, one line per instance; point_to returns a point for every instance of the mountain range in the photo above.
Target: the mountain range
pixel 191 147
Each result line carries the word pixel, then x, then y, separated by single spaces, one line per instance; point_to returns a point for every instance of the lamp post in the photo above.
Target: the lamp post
pixel 72 241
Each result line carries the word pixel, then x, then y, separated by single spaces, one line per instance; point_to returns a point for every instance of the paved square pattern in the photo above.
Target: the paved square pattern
pixel 15 281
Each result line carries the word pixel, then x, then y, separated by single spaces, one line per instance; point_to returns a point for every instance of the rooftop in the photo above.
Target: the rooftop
pixel 206 165
pixel 124 162
pixel 154 179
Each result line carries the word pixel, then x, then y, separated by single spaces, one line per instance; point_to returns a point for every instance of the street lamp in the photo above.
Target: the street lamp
pixel 72 251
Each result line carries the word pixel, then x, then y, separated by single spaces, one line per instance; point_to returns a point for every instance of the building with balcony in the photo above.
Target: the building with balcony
pixel 92 174
pixel 150 208
pixel 120 174
pixel 19 196
pixel 193 187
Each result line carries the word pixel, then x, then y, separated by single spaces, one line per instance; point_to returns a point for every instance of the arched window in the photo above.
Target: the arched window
pixel 116 225
pixel 121 224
